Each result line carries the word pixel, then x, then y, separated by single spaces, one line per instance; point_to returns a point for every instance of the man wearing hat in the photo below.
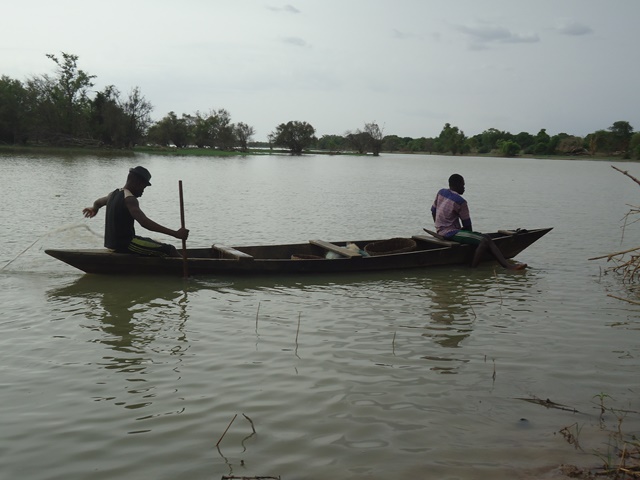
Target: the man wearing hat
pixel 122 209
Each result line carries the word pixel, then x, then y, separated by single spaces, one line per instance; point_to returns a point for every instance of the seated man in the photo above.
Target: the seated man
pixel 122 209
pixel 451 215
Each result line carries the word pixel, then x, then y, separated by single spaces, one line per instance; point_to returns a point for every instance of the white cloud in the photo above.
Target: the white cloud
pixel 285 9
pixel 574 28
pixel 399 35
pixel 482 35
pixel 295 41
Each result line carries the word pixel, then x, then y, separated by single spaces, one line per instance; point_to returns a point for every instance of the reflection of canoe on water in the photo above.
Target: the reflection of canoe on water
pixel 317 256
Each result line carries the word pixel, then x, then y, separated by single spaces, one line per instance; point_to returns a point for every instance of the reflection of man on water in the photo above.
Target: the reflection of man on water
pixel 450 314
pixel 122 209
pixel 130 314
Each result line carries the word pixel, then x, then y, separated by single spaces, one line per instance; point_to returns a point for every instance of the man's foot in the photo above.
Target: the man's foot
pixel 517 266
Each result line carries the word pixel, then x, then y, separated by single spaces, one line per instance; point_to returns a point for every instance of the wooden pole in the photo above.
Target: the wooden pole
pixel 185 267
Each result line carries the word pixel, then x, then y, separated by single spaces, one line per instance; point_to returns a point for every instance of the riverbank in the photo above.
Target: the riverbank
pixel 212 152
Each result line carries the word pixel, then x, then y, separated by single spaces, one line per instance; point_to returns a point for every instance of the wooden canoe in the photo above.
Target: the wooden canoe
pixel 316 256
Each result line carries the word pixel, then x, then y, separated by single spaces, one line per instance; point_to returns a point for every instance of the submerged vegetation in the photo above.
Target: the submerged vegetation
pixel 626 262
pixel 619 457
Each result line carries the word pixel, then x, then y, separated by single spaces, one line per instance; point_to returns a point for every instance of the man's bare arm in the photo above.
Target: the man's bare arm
pixel 92 211
pixel 134 209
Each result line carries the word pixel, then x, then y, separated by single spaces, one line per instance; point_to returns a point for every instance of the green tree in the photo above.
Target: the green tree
pixel 622 132
pixel 600 141
pixel 202 130
pixel 137 117
pixel 491 138
pixel 107 117
pixel 13 97
pixel 539 149
pixel 540 143
pixel 171 130
pixel 332 143
pixel 69 93
pixel 243 134
pixel 634 145
pixel 117 123
pixel 509 148
pixel 525 140
pixel 214 130
pixel 417 145
pixel 42 116
pixel 294 135
pixel 358 141
pixel 553 147
pixel 392 143
pixel 223 130
pixel 451 139
pixel 376 137
pixel 428 144
pixel 570 145
pixel 542 136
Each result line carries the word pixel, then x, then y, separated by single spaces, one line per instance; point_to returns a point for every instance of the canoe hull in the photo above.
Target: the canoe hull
pixel 277 259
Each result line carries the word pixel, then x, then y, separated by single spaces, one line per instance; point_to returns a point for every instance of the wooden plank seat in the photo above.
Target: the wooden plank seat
pixel 436 240
pixel 345 252
pixel 231 252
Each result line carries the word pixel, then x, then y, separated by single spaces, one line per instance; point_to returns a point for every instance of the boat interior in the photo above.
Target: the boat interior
pixel 316 249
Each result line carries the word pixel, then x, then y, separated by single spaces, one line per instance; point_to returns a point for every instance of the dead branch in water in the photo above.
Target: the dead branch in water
pixel 548 404
pixel 226 429
pixel 612 255
pixel 624 172
pixel 628 267
pixel 634 302
pixel 251 422
pixel 233 477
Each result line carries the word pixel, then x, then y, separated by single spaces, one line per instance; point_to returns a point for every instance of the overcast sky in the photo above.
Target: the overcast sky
pixel 409 65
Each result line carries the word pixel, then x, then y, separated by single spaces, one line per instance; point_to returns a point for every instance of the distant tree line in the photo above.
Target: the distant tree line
pixel 299 136
pixel 58 110
pixel 212 130
pixel 62 110
pixel 618 140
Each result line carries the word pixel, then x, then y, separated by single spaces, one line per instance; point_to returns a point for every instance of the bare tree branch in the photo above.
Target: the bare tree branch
pixel 624 172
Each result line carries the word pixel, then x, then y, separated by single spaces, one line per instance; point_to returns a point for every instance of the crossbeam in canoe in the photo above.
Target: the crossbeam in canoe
pixel 231 252
pixel 437 241
pixel 345 252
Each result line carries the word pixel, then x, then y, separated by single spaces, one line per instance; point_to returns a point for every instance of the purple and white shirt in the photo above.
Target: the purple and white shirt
pixel 451 213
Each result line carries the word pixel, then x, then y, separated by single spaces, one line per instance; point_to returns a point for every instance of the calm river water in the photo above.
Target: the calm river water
pixel 415 374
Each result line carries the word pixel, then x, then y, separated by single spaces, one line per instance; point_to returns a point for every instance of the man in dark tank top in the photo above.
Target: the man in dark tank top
pixel 123 209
